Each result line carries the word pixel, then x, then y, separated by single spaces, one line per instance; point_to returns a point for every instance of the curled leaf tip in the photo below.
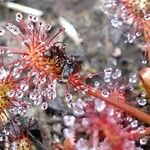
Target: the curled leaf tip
pixel 144 75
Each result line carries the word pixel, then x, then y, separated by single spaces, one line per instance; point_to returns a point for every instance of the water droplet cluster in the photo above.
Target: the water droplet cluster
pixel 31 78
pixel 134 13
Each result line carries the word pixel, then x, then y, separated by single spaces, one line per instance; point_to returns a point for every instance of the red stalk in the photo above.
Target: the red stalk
pixel 134 112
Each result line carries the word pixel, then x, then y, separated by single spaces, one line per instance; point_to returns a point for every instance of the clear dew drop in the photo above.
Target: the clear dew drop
pixel 17 64
pixel 105 93
pixel 141 129
pixel 78 111
pixel 3 73
pixel 51 95
pixel 69 133
pixel 68 97
pixel 2 31
pixel 24 86
pixel 19 94
pixel 30 26
pixel 9 26
pixel 13 29
pixel 110 3
pixel 39 81
pixel 17 76
pixel 48 27
pixel 80 103
pixel 115 22
pixel 123 8
pixel 143 94
pixel 14 146
pixel 43 80
pixel 113 61
pixel 69 120
pixel 133 78
pixel 30 17
pixel 116 74
pixel 6 132
pixel 38 101
pixel 85 122
pixel 17 72
pixel 1 138
pixel 11 93
pixel 44 106
pixel 84 91
pixel 129 119
pixel 96 84
pixel 40 23
pixel 82 144
pixel 33 18
pixel 130 37
pixel 144 62
pixel 19 16
pixel 71 105
pixel 107 74
pixel 1 51
pixel 110 111
pixel 118 114
pixel 45 91
pixel 134 124
pixel 106 79
pixel 34 96
pixel 147 16
pixel 107 71
pixel 99 105
pixel 143 141
pixel 129 144
pixel 21 111
pixel 130 40
pixel 138 34
pixel 9 53
pixel 13 111
pixel 142 101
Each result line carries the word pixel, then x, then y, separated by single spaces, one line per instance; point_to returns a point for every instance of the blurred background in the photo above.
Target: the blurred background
pixel 89 32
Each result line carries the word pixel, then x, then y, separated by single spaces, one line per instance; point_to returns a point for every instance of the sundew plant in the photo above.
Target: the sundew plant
pixel 103 114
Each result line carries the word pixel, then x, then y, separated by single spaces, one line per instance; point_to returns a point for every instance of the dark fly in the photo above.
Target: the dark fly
pixel 72 65
pixel 69 65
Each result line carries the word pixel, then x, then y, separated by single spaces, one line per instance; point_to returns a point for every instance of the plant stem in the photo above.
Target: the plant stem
pixel 134 112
